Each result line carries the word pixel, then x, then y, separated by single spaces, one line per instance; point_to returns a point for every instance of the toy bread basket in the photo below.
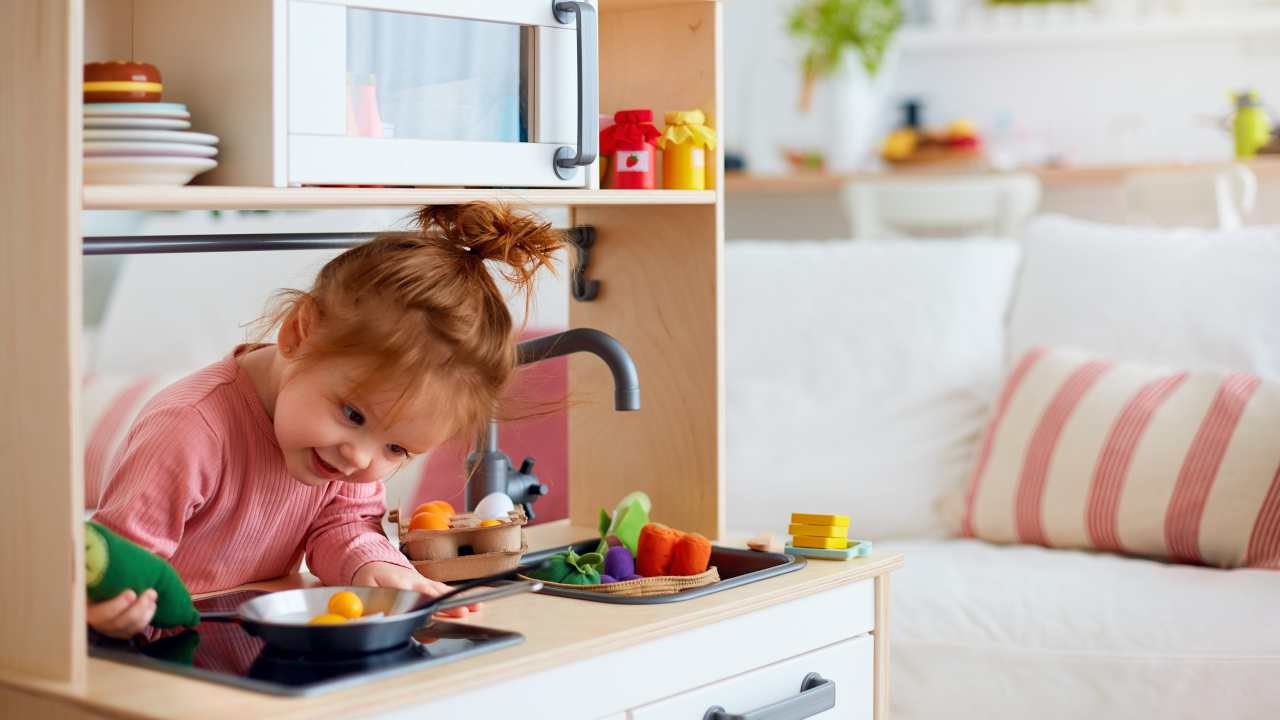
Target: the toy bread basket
pixel 645 587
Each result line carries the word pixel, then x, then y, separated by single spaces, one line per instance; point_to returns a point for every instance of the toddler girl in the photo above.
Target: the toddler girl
pixel 236 471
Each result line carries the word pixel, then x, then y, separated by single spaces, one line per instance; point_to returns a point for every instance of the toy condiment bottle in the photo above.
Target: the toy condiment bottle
pixel 685 143
pixel 629 142
pixel 1252 126
pixel 367 116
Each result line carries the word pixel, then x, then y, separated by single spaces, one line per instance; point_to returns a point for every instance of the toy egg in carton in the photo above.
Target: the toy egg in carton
pixel 470 547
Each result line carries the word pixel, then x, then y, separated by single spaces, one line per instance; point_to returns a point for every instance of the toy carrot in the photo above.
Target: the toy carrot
pixel 691 556
pixel 654 549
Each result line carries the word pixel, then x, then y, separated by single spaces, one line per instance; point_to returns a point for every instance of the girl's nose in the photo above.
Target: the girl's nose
pixel 357 455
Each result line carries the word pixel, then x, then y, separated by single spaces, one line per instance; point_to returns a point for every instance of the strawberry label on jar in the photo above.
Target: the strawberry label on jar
pixel 632 161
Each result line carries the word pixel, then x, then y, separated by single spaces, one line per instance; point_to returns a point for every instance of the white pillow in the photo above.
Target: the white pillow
pixel 1203 300
pixel 858 377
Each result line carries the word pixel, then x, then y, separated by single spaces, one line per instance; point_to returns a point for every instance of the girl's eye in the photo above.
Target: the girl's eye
pixel 353 415
pixel 397 450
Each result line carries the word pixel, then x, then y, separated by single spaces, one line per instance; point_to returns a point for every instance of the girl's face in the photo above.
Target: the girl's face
pixel 326 434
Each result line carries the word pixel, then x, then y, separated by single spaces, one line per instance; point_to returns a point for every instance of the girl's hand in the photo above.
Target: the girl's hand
pixel 124 615
pixel 389 575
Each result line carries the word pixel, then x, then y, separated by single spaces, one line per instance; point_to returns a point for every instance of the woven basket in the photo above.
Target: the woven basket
pixel 645 587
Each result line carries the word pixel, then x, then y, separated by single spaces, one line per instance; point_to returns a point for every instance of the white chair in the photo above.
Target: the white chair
pixel 943 207
pixel 1210 197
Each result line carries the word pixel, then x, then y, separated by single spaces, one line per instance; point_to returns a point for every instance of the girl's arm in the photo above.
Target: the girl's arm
pixel 347 534
pixel 170 463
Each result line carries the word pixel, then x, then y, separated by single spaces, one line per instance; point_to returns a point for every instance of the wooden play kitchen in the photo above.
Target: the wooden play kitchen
pixel 657 258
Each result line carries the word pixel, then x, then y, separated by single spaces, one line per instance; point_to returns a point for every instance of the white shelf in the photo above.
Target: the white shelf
pixel 213 197
pixel 1102 30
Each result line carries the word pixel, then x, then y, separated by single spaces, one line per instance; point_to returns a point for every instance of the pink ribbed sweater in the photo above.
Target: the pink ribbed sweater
pixel 200 480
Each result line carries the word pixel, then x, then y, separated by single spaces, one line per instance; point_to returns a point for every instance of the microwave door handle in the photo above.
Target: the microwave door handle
pixel 567 159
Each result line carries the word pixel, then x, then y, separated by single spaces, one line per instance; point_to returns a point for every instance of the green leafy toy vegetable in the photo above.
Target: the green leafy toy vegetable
pixel 631 514
pixel 113 564
pixel 570 568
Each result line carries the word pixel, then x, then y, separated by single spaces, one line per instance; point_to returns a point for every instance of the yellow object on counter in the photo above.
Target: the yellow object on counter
pixel 834 531
pixel 824 520
pixel 346 604
pixel 828 543
pixel 686 142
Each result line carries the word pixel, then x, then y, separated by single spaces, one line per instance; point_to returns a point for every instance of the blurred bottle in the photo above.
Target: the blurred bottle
pixel 1252 126
pixel 368 118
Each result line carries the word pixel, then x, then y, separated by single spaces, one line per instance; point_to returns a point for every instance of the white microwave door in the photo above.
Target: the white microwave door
pixel 430 92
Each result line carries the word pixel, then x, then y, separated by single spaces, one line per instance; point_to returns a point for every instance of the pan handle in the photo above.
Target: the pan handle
pixel 228 616
pixel 452 600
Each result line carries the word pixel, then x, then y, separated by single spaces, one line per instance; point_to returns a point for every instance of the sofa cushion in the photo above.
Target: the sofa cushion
pixel 995 632
pixel 1186 298
pixel 858 377
pixel 1085 452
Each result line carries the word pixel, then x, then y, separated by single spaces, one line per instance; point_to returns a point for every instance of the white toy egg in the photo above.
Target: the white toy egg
pixel 494 506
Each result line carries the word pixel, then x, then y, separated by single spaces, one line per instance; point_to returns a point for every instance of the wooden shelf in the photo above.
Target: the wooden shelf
pixel 997 35
pixel 1266 168
pixel 210 197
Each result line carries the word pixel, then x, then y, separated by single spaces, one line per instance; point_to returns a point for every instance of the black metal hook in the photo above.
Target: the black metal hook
pixel 582 238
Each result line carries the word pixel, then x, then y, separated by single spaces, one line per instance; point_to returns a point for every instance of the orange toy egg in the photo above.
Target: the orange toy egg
pixel 436 506
pixel 490 522
pixel 429 521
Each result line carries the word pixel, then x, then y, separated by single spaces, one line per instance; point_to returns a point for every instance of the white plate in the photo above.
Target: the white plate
pixel 160 110
pixel 144 170
pixel 96 148
pixel 172 136
pixel 136 122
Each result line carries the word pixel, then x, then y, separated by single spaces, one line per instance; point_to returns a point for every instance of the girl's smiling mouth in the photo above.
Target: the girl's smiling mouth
pixel 322 468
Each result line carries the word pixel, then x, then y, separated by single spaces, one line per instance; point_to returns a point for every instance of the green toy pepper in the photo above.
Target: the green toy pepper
pixel 113 564
pixel 570 568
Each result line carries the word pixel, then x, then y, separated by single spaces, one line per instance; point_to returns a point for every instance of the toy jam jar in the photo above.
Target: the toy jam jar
pixel 685 143
pixel 629 143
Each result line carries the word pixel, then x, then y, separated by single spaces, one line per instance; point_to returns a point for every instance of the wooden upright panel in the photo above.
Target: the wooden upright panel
pixel 661 295
pixel 41 494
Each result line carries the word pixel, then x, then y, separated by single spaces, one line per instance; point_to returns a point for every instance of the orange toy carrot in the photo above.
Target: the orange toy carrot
pixel 692 555
pixel 654 549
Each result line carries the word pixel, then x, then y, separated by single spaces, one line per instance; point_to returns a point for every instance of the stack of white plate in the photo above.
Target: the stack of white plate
pixel 144 143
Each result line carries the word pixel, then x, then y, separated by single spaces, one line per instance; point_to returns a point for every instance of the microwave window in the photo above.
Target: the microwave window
pixel 437 78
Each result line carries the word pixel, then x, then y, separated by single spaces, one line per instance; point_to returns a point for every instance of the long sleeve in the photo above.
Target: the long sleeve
pixel 170 464
pixel 347 533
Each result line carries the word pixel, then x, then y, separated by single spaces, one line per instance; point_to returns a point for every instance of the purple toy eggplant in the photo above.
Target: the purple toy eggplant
pixel 618 563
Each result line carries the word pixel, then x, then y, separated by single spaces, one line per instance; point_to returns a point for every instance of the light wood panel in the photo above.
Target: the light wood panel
pixel 661 296
pixel 881 634
pixel 41 494
pixel 210 197
pixel 557 631
pixel 108 30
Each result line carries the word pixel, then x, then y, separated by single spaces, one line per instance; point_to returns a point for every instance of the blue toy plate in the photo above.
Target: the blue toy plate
pixel 856 548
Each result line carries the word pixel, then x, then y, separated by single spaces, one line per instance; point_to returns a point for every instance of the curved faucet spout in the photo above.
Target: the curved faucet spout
pixel 626 383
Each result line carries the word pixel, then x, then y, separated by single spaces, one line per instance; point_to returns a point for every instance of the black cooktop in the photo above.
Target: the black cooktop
pixel 225 653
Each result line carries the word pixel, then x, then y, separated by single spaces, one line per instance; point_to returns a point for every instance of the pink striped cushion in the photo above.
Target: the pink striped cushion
pixel 1085 453
pixel 109 405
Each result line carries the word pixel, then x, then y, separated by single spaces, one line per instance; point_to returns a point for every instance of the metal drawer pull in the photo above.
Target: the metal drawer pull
pixel 567 160
pixel 817 694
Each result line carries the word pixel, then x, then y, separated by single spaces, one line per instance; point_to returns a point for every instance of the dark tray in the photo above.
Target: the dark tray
pixel 736 566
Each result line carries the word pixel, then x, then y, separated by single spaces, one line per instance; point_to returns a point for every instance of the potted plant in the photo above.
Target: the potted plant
pixel 831 32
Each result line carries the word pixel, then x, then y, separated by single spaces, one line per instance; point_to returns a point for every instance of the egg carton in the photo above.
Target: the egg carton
pixel 456 542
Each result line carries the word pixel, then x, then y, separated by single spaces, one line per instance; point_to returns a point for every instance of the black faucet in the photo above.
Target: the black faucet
pixel 489 469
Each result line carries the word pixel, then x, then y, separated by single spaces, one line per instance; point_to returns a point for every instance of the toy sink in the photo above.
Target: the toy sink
pixel 736 566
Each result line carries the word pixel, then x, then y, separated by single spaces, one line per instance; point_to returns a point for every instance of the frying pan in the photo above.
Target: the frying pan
pixel 279 618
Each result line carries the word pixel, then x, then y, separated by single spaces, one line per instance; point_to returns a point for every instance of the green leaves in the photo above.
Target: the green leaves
pixel 829 27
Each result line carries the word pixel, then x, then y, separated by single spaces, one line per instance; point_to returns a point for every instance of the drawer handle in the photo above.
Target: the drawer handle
pixel 817 694
pixel 567 160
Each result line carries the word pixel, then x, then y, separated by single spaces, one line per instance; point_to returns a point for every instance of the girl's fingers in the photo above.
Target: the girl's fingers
pixel 100 613
pixel 127 622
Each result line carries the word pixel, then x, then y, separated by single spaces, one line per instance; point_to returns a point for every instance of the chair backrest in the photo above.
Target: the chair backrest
pixel 951 207
pixel 1203 197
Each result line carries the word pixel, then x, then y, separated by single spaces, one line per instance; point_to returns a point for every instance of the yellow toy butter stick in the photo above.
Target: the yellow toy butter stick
pixel 826 543
pixel 823 520
pixel 834 531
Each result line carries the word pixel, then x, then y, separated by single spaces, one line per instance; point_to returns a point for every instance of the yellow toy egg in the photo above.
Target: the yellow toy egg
pixel 490 522
pixel 346 604
pixel 327 619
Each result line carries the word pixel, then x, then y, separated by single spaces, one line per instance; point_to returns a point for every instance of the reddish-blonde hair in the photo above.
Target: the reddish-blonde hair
pixel 421 312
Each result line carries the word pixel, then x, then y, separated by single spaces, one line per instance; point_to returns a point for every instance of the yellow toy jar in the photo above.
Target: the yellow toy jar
pixel 686 142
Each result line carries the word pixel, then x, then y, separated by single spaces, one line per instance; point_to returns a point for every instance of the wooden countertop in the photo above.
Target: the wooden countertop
pixel 557 631
pixel 1266 168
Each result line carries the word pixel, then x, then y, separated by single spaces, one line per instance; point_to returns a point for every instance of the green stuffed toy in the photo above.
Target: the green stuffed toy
pixel 113 564
pixel 570 568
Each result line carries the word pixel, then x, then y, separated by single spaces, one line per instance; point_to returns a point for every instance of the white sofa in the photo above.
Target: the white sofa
pixel 859 377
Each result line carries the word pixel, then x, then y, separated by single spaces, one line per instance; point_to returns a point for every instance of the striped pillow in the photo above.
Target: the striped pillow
pixel 109 403
pixel 1085 453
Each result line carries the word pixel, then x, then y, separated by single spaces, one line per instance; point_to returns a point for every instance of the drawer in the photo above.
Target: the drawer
pixel 847 665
